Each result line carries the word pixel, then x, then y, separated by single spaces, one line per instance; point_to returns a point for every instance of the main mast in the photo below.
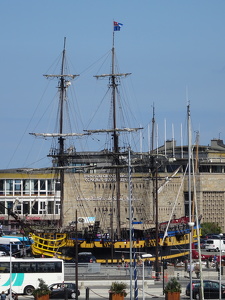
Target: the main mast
pixel 113 83
pixel 116 140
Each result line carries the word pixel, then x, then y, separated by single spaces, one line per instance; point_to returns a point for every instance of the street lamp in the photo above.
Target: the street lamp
pixel 10 271
pixel 220 266
pixel 147 255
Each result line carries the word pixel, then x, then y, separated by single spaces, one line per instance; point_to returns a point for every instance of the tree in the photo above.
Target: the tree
pixel 210 227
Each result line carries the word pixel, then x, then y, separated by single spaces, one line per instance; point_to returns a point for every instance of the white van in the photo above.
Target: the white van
pixel 16 245
pixel 7 241
pixel 214 245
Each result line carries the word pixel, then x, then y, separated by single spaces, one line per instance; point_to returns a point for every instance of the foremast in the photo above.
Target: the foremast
pixel 60 155
pixel 63 84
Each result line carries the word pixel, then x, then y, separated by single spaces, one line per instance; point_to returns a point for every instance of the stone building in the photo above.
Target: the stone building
pixel 89 189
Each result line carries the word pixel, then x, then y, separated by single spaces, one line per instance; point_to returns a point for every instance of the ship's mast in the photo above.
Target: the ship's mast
pixel 154 164
pixel 191 224
pixel 113 83
pixel 60 155
pixel 61 158
pixel 116 140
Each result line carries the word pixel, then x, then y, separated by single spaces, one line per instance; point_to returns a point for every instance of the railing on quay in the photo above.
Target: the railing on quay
pixel 96 271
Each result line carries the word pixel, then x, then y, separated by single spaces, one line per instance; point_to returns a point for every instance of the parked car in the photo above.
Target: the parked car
pixel 214 245
pixel 202 243
pixel 211 289
pixel 213 236
pixel 5 248
pixel 83 257
pixel 59 290
pixel 86 257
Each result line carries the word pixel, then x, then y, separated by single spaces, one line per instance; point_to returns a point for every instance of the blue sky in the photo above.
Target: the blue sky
pixel 172 48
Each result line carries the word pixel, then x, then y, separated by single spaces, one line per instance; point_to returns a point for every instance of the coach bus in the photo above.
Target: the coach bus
pixel 25 272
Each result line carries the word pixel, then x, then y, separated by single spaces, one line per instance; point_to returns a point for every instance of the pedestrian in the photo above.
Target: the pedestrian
pixel 122 260
pixel 15 296
pixel 148 266
pixel 126 266
pixel 210 261
pixel 197 270
pixel 190 268
pixel 214 260
pixel 3 295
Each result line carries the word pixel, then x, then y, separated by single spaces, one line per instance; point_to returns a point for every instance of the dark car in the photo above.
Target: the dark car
pixel 86 257
pixel 211 289
pixel 59 290
pixel 5 248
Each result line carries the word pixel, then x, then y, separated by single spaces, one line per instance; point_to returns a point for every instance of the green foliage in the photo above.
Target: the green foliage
pixel 118 288
pixel 172 286
pixel 42 289
pixel 210 227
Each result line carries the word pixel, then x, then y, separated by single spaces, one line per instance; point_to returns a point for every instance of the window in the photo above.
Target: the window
pixel 42 187
pixel 42 208
pixel 34 186
pixel 9 205
pixel 26 187
pixel 9 186
pixel 2 207
pixel 34 210
pixel 204 169
pixel 50 184
pixel 209 242
pixel 17 207
pixel 4 267
pixel 17 187
pixel 26 207
pixel 50 207
pixel 57 207
pixel 2 190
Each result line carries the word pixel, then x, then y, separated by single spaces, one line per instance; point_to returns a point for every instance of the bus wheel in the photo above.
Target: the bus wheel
pixel 28 290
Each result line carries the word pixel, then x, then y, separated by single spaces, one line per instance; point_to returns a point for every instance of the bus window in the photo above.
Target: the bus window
pixel 4 266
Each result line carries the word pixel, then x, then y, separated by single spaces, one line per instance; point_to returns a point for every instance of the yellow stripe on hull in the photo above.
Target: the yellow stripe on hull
pixel 116 245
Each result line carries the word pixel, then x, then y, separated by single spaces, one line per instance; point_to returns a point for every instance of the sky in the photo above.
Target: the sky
pixel 174 49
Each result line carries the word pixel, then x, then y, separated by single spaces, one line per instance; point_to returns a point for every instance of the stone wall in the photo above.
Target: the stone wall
pixel 91 195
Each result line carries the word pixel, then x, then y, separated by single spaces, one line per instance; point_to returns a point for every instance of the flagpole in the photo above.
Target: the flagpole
pixel 113 35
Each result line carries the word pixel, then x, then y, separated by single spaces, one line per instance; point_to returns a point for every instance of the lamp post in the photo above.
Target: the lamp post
pixel 143 272
pixel 10 271
pixel 220 266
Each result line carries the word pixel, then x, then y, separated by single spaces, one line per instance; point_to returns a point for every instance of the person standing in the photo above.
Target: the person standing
pixel 15 296
pixel 197 270
pixel 122 260
pixel 3 295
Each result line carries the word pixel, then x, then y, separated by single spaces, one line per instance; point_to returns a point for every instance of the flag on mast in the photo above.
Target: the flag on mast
pixel 117 26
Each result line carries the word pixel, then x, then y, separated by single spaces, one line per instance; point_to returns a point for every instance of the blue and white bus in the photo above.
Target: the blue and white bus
pixel 23 278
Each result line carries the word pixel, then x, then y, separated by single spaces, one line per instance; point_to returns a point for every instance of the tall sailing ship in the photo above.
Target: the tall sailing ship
pixel 109 241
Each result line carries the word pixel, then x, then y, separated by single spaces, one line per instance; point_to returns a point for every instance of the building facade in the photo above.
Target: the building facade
pixel 89 193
